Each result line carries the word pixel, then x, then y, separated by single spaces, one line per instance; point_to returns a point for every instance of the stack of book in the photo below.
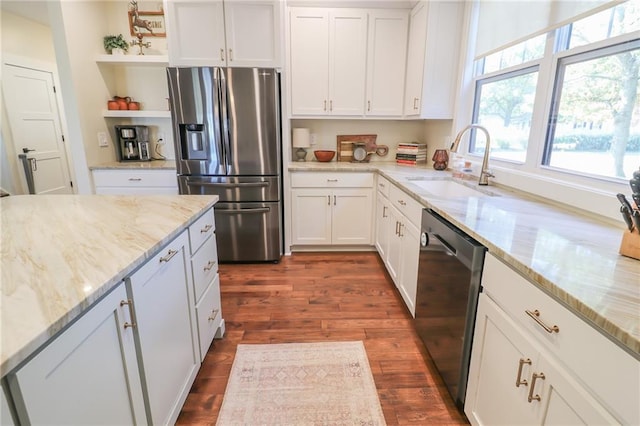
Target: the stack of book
pixel 411 153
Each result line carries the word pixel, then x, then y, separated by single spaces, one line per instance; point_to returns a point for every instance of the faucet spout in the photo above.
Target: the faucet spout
pixel 485 174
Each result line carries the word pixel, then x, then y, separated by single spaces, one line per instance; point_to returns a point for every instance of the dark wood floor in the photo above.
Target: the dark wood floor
pixel 311 297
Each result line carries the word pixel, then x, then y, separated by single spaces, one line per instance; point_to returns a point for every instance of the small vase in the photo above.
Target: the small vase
pixel 440 159
pixel 117 51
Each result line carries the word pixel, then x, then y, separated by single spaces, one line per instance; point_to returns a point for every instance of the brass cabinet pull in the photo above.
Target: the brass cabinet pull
pixel 209 265
pixel 415 101
pixel 328 200
pixel 230 54
pixel 397 227
pixel 169 255
pixel 222 54
pixel 331 105
pixel 324 108
pixel 206 229
pixel 536 317
pixel 534 377
pixel 334 200
pixel 519 379
pixel 130 304
pixel 135 179
pixel 400 234
pixel 368 105
pixel 384 211
pixel 332 180
pixel 213 315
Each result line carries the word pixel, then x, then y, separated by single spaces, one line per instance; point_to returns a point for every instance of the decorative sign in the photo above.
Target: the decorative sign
pixel 147 23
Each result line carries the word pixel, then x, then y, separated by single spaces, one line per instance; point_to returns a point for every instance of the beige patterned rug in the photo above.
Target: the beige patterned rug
pixel 301 384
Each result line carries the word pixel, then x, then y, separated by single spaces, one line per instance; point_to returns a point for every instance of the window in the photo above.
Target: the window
pixel 504 105
pixel 595 122
pixel 568 100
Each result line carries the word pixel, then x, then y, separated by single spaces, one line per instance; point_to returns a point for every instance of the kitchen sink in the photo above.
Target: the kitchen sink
pixel 449 188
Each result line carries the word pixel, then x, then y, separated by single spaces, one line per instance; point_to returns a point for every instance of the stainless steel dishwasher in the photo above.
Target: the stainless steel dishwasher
pixel 449 274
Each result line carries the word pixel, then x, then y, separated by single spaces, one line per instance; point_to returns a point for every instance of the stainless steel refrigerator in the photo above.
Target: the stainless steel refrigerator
pixel 227 132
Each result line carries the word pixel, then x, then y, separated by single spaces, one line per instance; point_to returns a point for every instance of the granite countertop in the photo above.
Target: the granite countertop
pixel 136 165
pixel 61 253
pixel 572 257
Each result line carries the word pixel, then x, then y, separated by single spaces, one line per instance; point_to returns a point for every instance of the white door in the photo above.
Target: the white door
pixel 309 61
pixel 196 33
pixel 347 61
pixel 35 126
pixel 386 62
pixel 415 59
pixel 410 248
pixel 383 221
pixel 88 374
pixel 253 33
pixel 310 216
pixel 351 216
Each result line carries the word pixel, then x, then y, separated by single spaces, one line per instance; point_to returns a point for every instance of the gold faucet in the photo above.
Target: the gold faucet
pixel 485 174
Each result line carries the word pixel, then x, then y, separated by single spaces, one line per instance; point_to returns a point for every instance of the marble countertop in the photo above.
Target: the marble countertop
pixel 136 165
pixel 61 253
pixel 572 257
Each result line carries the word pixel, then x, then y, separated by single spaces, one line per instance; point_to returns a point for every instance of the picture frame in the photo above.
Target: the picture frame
pixel 155 21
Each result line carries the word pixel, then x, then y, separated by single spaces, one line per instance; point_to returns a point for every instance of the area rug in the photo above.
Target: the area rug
pixel 328 383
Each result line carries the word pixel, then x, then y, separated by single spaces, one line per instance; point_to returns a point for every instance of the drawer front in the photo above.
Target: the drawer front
pixel 384 186
pixel 209 316
pixel 409 207
pixel 577 345
pixel 135 178
pixel 332 180
pixel 173 251
pixel 205 266
pixel 201 229
pixel 127 190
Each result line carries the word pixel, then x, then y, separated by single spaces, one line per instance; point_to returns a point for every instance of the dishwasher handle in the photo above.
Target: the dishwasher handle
pixel 446 245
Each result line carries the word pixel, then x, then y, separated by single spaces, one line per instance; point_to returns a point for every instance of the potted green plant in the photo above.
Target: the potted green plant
pixel 115 44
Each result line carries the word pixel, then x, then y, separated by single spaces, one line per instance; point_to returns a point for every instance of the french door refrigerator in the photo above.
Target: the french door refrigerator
pixel 227 132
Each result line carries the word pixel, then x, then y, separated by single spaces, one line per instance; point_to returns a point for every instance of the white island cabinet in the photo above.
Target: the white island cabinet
pixel 88 373
pixel 161 292
pixel 534 362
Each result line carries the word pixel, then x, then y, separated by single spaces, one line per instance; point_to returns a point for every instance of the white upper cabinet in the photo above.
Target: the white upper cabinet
pixel 230 33
pixel 432 59
pixel 328 58
pixel 387 52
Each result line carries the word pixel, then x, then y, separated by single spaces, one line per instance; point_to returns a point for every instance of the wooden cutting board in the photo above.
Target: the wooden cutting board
pixel 345 146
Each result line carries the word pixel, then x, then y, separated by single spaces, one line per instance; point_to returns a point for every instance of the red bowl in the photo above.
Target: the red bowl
pixel 324 156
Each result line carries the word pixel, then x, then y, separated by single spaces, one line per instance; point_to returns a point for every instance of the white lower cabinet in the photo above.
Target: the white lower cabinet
pixel 135 182
pixel 535 362
pixel 398 238
pixel 87 374
pixel 332 208
pixel 206 282
pixel 512 382
pixel 161 291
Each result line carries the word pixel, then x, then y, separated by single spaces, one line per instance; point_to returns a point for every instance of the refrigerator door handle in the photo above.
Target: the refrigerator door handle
pixel 224 120
pixel 243 211
pixel 230 185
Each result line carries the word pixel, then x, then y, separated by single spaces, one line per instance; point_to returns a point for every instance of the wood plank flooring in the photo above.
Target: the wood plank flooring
pixel 312 297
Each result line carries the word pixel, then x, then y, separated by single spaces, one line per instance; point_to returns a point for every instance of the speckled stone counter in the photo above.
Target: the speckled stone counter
pixel 136 165
pixel 61 253
pixel 572 257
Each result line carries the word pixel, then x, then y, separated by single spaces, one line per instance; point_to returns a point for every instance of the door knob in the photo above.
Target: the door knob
pixel 26 150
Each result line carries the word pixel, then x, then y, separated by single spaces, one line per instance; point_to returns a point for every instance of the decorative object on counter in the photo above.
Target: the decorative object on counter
pixel 630 245
pixel 440 159
pixel 146 23
pixel 134 106
pixel 324 156
pixel 115 45
pixel 122 103
pixel 346 146
pixel 140 43
pixel 301 140
pixel 411 153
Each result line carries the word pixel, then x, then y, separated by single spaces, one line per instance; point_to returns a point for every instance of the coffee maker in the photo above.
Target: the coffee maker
pixel 133 143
